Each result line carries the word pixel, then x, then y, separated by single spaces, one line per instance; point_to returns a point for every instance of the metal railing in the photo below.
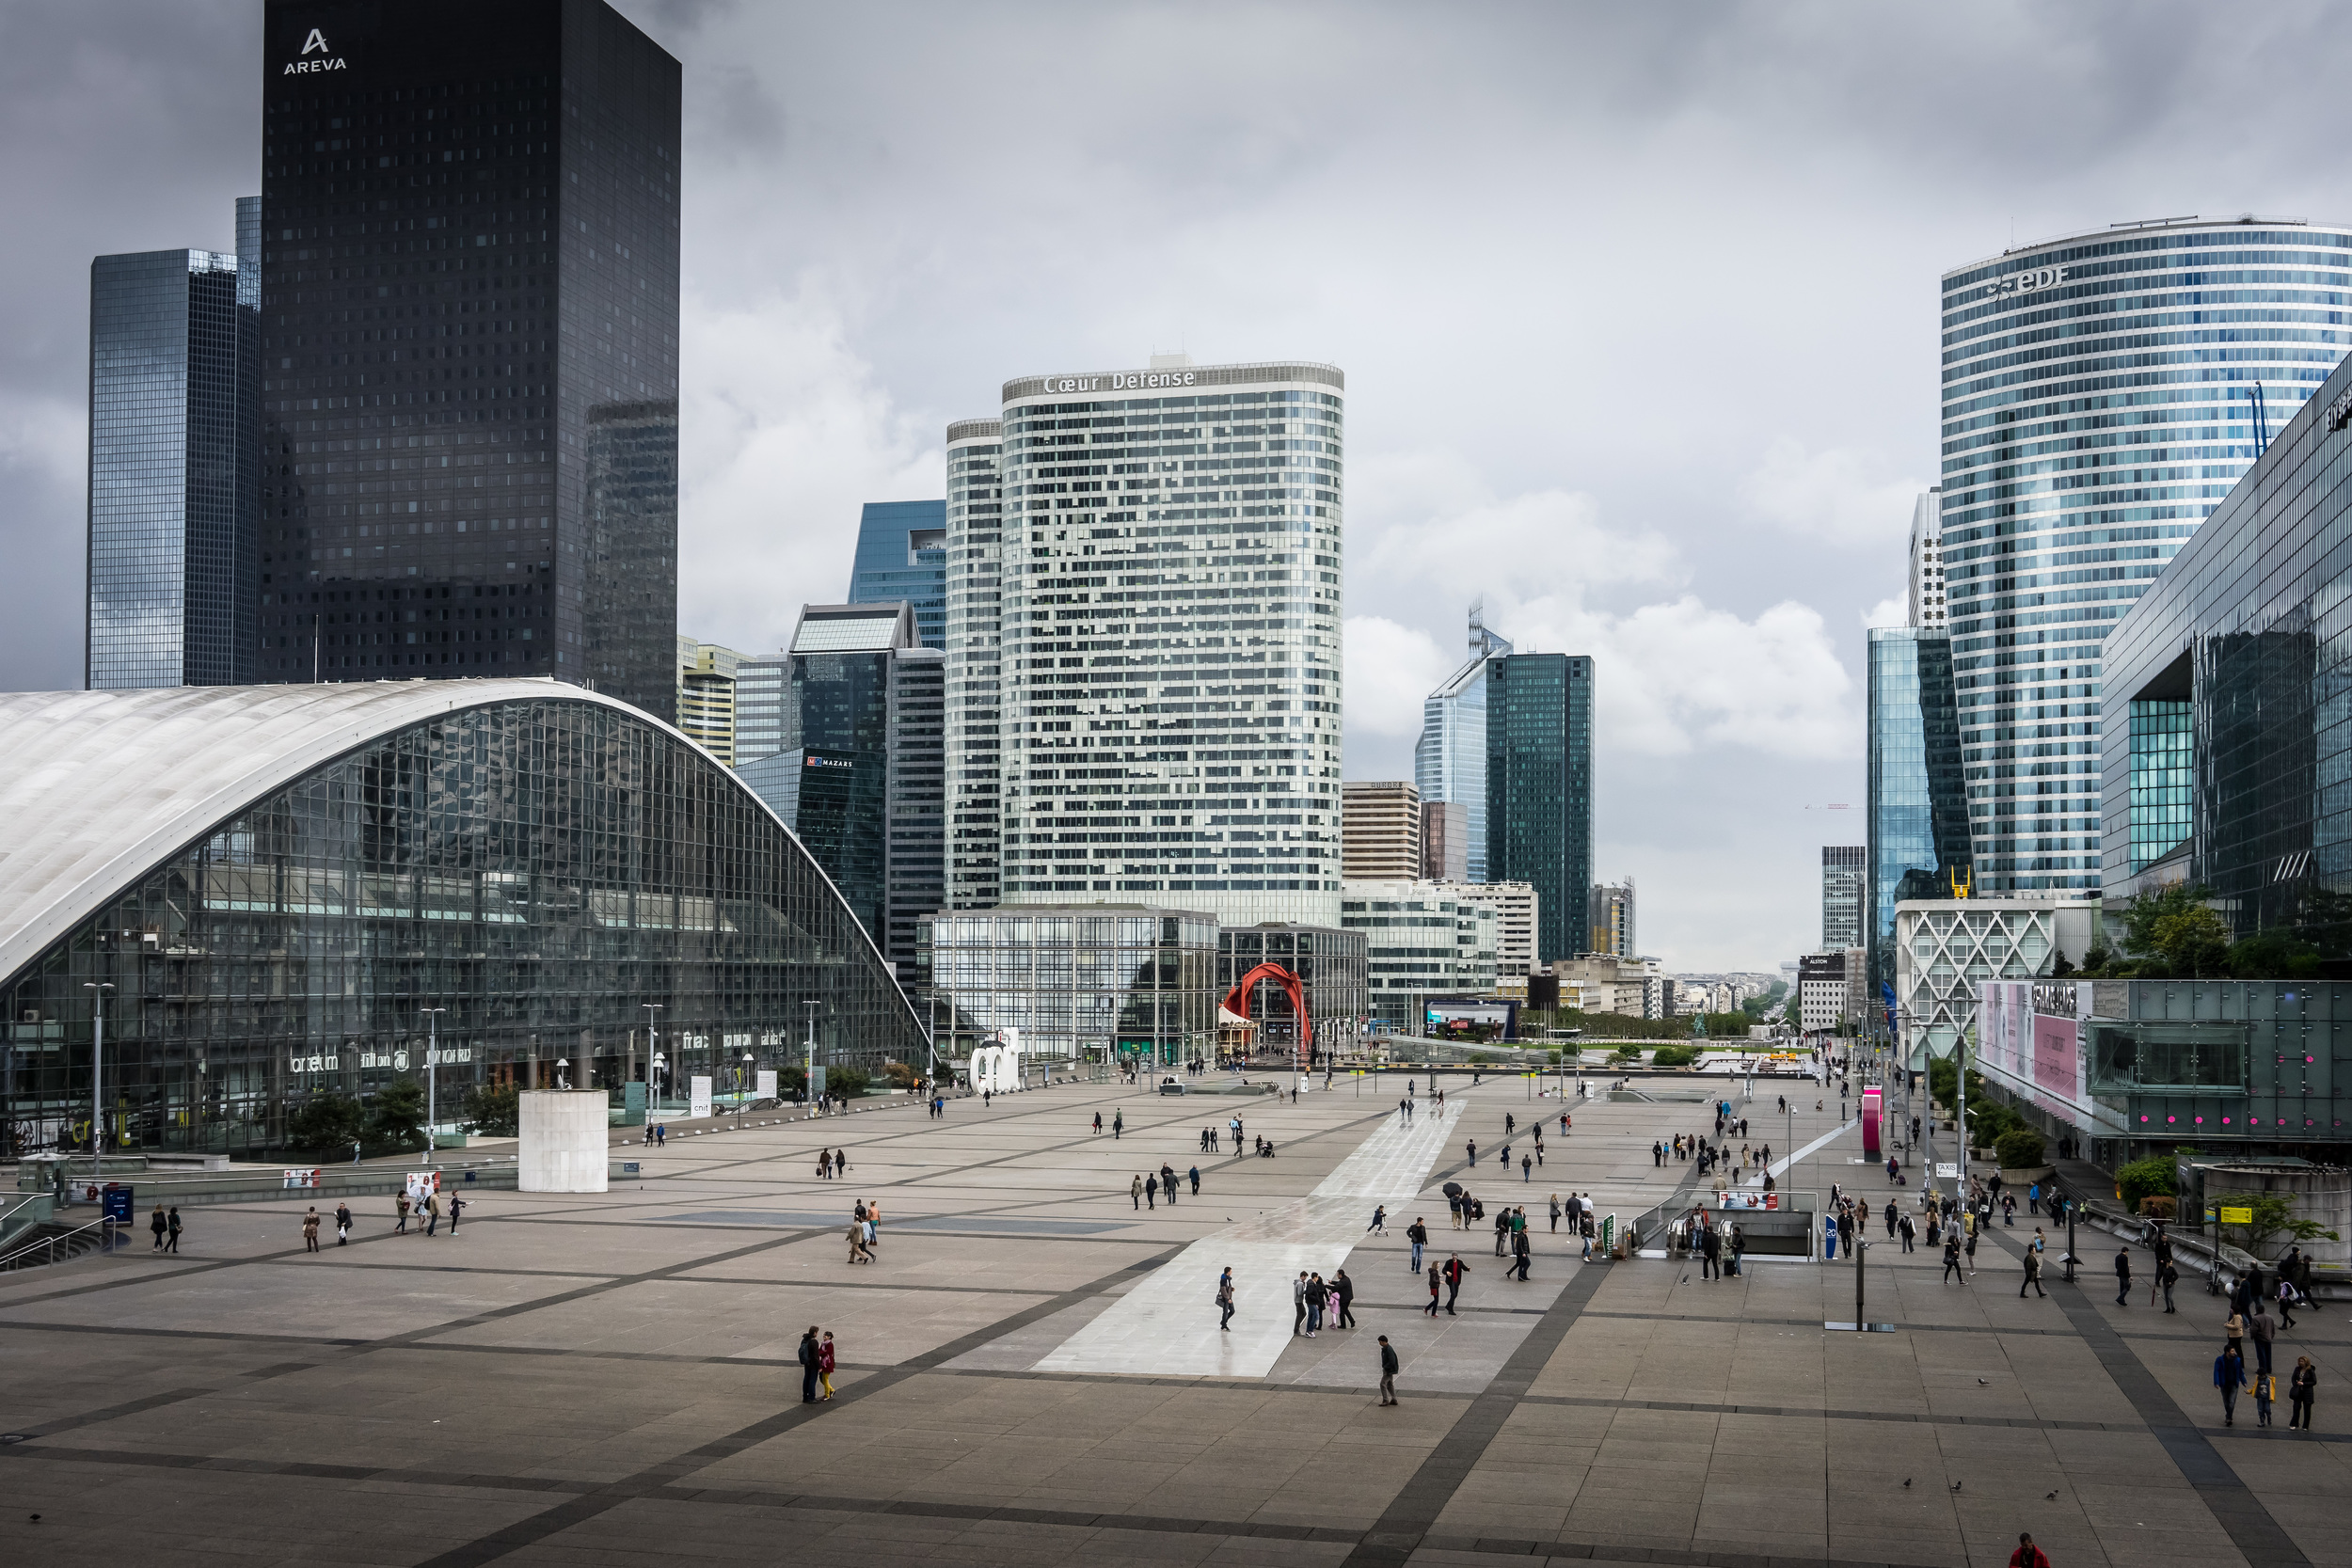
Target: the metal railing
pixel 48 1247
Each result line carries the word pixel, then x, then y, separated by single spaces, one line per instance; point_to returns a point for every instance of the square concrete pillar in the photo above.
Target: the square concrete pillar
pixel 565 1143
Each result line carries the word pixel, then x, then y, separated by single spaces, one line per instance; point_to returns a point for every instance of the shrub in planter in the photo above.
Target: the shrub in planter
pixel 2160 1207
pixel 2154 1177
pixel 1674 1055
pixel 2020 1149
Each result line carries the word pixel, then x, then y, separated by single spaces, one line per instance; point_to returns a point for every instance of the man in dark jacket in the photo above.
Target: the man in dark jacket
pixel 1387 1371
pixel 1711 1249
pixel 2123 1276
pixel 810 1358
pixel 1454 1269
pixel 1524 1250
pixel 1344 1289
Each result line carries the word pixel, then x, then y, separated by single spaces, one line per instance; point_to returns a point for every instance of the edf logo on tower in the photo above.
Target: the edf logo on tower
pixel 315 44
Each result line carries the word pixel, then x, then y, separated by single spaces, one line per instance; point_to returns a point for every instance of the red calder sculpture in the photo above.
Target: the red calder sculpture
pixel 1237 1001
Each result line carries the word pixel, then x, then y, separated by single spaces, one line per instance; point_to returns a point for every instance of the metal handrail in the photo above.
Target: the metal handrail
pixel 48 1243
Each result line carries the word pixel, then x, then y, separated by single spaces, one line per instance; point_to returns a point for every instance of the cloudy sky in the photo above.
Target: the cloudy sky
pixel 1636 304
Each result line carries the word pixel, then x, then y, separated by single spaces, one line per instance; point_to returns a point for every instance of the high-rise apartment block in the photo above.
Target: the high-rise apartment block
pixel 976 569
pixel 1169 628
pixel 1380 831
pixel 1516 908
pixel 1539 789
pixel 470 334
pixel 706 695
pixel 1449 758
pixel 2096 410
pixel 1822 991
pixel 1844 871
pixel 1612 919
pixel 174 464
pixel 760 682
pixel 903 556
pixel 1445 841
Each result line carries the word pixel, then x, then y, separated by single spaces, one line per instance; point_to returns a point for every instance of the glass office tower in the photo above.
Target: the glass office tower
pixel 2102 393
pixel 1916 801
pixel 1842 902
pixel 1539 789
pixel 469 344
pixel 1171 638
pixel 174 359
pixel 976 568
pixel 1449 758
pixel 902 558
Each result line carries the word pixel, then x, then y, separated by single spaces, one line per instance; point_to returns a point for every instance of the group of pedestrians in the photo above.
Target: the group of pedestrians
pixel 817 1364
pixel 167 1229
pixel 865 1231
pixel 2250 1319
pixel 1312 1298
pixel 658 1133
pixel 831 1162
pixel 1147 1190
pixel 426 1210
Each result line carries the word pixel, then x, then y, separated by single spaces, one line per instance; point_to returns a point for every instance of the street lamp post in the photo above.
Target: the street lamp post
pixel 742 1086
pixel 432 1044
pixel 652 1056
pixel 98 990
pixel 808 1063
pixel 562 1073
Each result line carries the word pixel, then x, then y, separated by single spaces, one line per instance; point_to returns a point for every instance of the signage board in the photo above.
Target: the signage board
pixel 765 1087
pixel 423 1184
pixel 300 1177
pixel 698 1096
pixel 1947 1170
pixel 119 1202
pixel 2237 1216
pixel 632 1104
pixel 815 1081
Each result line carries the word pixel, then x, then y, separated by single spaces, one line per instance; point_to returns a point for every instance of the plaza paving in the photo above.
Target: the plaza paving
pixel 611 1380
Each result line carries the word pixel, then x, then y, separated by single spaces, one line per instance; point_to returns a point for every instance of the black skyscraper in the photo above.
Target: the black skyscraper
pixel 1539 790
pixel 469 344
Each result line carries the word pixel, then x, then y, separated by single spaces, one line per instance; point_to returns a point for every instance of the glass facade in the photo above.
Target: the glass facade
pixel 1330 965
pixel 1539 789
pixel 2229 698
pixel 975 565
pixel 1088 982
pixel 542 868
pixel 1449 758
pixel 469 331
pixel 760 688
pixel 916 867
pixel 1916 829
pixel 902 558
pixel 2102 393
pixel 1172 611
pixel 1421 939
pixel 174 482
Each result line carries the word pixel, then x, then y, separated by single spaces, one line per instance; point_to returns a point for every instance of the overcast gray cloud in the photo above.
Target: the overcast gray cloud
pixel 1637 306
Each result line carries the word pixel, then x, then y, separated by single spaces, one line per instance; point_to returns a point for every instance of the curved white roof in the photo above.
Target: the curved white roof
pixel 98 788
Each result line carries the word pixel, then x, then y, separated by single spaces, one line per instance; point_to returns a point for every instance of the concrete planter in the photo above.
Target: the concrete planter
pixel 2027 1175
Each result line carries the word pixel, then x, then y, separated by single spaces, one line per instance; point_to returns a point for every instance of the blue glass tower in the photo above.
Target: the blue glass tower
pixel 1918 806
pixel 903 556
pixel 174 372
pixel 2102 393
pixel 1539 790
pixel 1449 759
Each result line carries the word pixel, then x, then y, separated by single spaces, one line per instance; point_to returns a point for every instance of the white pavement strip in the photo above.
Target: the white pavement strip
pixel 1166 1327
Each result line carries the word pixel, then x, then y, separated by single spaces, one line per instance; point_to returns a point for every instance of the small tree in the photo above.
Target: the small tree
pixel 849 1081
pixel 326 1121
pixel 493 1108
pixel 2271 1215
pixel 2154 1177
pixel 396 1115
pixel 2020 1149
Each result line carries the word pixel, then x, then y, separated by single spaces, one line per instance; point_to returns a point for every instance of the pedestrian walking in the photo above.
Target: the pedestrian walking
pixel 1151 1191
pixel 2229 1375
pixel 2286 1300
pixel 2167 1276
pixel 1416 1233
pixel 1527 1167
pixel 1387 1371
pixel 661 1135
pixel 858 1251
pixel 2265 1392
pixel 1298 1305
pixel 1907 1230
pixel 1119 1125
pixel 1135 1191
pixel 1971 1250
pixel 1195 1175
pixel 1432 1308
pixel 1343 1292
pixel 159 1224
pixel 2302 1385
pixel 1951 1258
pixel 809 1362
pixel 1379 1220
pixel 1524 1251
pixel 311 1231
pixel 873 1223
pixel 400 1202
pixel 1555 1214
pixel 2033 1275
pixel 2259 1326
pixel 2123 1276
pixel 1225 1301
pixel 2233 1333
pixel 171 1226
pixel 456 1207
pixel 1710 1253
pixel 343 1224
pixel 824 1164
pixel 825 1364
pixel 1098 1124
pixel 1454 1269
